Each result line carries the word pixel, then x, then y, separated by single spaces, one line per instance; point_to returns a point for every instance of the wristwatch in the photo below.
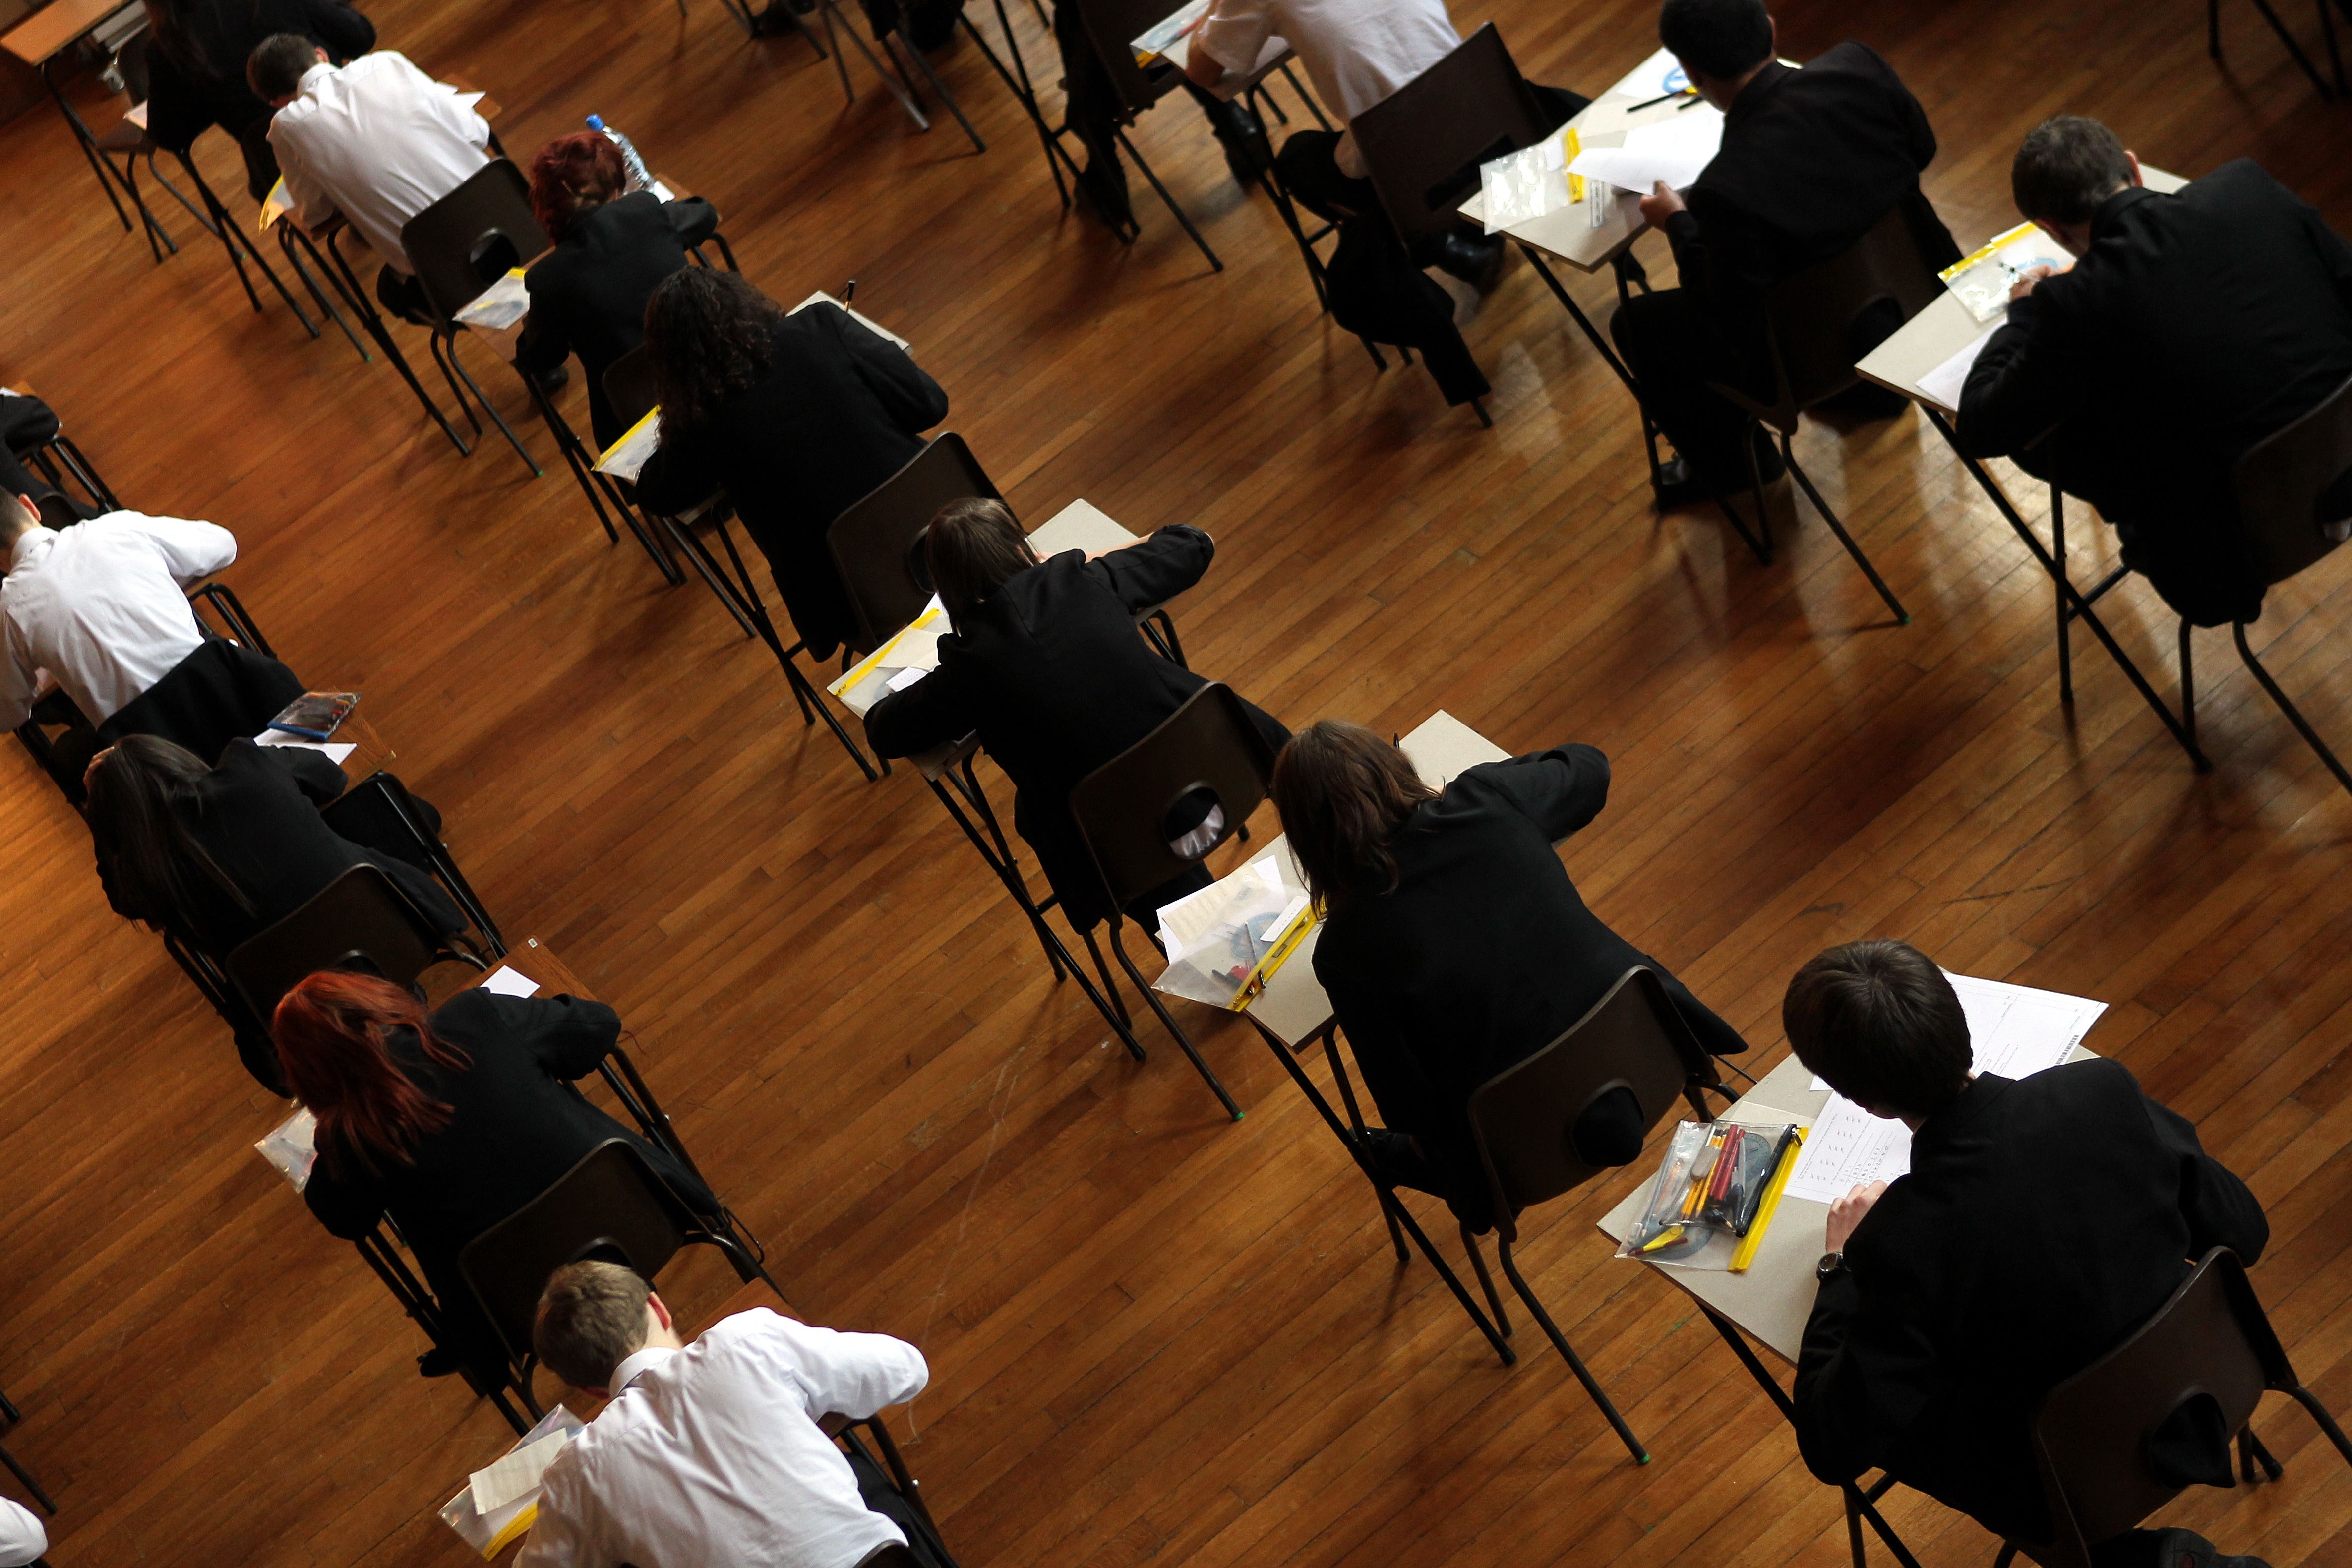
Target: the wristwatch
pixel 1831 1263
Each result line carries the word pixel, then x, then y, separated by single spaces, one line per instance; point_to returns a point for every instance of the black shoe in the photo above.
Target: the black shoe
pixel 931 28
pixel 1867 400
pixel 554 380
pixel 1477 259
pixel 2178 1548
pixel 1248 154
pixel 439 1362
pixel 1105 195
pixel 778 17
pixel 1682 482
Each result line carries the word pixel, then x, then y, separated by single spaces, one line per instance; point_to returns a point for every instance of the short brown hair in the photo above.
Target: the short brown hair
pixel 279 63
pixel 1344 794
pixel 2065 168
pixel 1882 1024
pixel 974 547
pixel 571 174
pixel 591 1319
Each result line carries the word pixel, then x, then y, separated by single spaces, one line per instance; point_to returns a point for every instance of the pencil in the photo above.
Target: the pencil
pixel 1754 1237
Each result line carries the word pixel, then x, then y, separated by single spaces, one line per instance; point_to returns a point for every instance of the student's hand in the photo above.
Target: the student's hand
pixel 1663 203
pixel 2028 278
pixel 1847 1212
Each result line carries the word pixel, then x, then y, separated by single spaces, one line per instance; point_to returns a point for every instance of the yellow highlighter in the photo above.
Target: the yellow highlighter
pixel 1570 144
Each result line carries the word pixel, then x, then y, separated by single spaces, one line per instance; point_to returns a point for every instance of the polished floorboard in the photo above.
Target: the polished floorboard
pixel 1156 1337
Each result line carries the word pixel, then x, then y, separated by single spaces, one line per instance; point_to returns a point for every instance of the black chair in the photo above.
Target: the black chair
pixel 57 459
pixel 611 1204
pixel 382 1249
pixel 2327 28
pixel 1810 319
pixel 2280 484
pixel 1121 810
pixel 2102 1473
pixel 1111 27
pixel 332 265
pixel 361 913
pixel 629 387
pixel 130 143
pixel 893 1468
pixel 875 541
pixel 460 246
pixel 1633 1039
pixel 378 811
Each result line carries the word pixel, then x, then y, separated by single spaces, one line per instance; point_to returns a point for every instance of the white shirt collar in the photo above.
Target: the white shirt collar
pixel 312 78
pixel 31 546
pixel 637 1366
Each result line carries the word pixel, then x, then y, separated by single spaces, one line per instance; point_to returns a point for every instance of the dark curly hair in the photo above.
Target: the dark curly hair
pixel 712 338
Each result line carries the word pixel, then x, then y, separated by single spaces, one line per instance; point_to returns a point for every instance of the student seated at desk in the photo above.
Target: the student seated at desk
pixel 2190 327
pixel 216 855
pixel 715 1454
pixel 197 68
pixel 1811 160
pixel 588 295
pixel 27 424
pixel 1357 53
pixel 1454 944
pixel 376 141
pixel 449 1122
pixel 2043 1222
pixel 101 606
pixel 794 416
pixel 1044 663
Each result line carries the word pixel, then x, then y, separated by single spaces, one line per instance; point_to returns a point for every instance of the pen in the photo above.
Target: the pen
pixel 849 291
pixel 1664 98
pixel 1686 102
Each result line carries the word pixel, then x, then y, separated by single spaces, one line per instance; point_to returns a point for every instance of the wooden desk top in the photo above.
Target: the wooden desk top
pixel 534 960
pixel 1293 1006
pixel 1944 329
pixel 1568 234
pixel 41 35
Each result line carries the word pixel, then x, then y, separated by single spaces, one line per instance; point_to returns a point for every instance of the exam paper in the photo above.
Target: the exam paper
pixel 496 1485
pixel 500 305
pixel 137 115
pixel 336 750
pixel 1981 279
pixel 1673 150
pixel 907 676
pixel 2015 1031
pixel 509 981
pixel 628 457
pixel 861 321
pixel 1944 384
pixel 1160 36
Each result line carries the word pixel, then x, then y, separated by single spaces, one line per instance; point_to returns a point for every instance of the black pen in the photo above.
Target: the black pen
pixel 1686 102
pixel 1685 92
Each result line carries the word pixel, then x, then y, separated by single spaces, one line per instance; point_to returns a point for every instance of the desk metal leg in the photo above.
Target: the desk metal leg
pixel 2074 601
pixel 348 285
pixel 287 234
pixel 159 243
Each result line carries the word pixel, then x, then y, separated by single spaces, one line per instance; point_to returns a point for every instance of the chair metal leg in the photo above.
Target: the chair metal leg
pixel 489 408
pixel 1486 1281
pixel 2318 82
pixel 1168 1019
pixel 286 240
pixel 1305 97
pixel 2311 737
pixel 2251 1453
pixel 1575 1364
pixel 914 111
pixel 2058 553
pixel 1026 94
pixel 2310 1402
pixel 1181 216
pixel 1486 420
pixel 1789 456
pixel 378 329
pixel 2188 687
pixel 940 88
pixel 1121 1020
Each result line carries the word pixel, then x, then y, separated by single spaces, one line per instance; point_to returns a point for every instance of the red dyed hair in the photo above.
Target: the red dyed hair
pixel 572 174
pixel 334 1032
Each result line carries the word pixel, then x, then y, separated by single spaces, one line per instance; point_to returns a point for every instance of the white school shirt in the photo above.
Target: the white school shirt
pixel 103 608
pixel 22 1536
pixel 377 140
pixel 1357 52
pixel 711 1457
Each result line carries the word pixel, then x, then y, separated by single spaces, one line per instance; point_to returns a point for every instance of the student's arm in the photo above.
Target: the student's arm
pixel 1559 791
pixel 191 551
pixel 342 31
pixel 349 1206
pixel 19 677
pixel 174 117
pixel 313 772
pixel 1229 38
pixel 2222 1211
pixel 313 203
pixel 680 474
pixel 1157 569
pixel 542 346
pixel 850 1374
pixel 692 219
pixel 2025 383
pixel 23 1538
pixel 1864 1373
pixel 933 711
pixel 567 1035
pixel 911 398
pixel 570 1531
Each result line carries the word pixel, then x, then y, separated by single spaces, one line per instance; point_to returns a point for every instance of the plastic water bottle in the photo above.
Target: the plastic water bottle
pixel 640 177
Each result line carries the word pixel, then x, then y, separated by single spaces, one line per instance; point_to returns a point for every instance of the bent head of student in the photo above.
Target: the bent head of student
pixel 2064 169
pixel 338 1037
pixel 573 175
pixel 140 791
pixel 276 66
pixel 1883 1026
pixel 711 337
pixel 973 548
pixel 1344 794
pixel 1720 43
pixel 18 516
pixel 593 1316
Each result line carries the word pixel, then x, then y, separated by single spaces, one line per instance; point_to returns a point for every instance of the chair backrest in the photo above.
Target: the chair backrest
pixel 2279 481
pixel 1813 314
pixel 630 386
pixel 1521 1118
pixel 875 539
pixel 2090 1434
pixel 362 911
pixel 466 241
pixel 1121 809
pixel 130 60
pixel 1111 26
pixel 611 1204
pixel 1423 142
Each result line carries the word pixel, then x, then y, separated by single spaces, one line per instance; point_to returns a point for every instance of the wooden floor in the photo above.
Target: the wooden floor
pixel 1156 1336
